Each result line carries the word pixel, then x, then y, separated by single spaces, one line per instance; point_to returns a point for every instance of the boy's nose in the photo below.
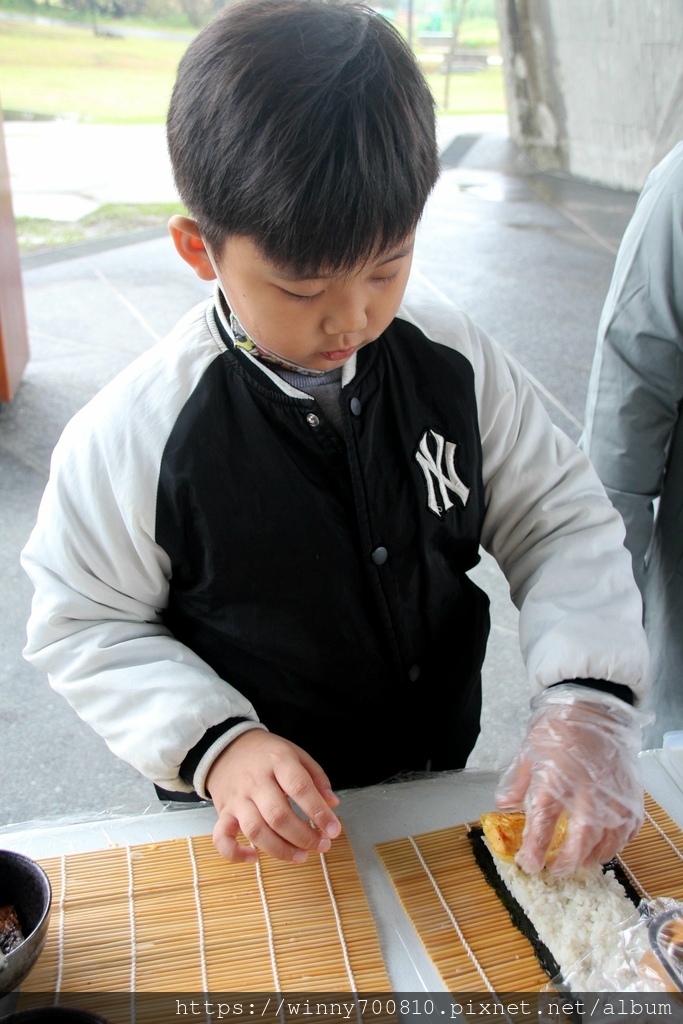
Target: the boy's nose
pixel 348 319
pixel 344 325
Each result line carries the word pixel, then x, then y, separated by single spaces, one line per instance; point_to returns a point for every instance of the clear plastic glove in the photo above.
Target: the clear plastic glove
pixel 580 759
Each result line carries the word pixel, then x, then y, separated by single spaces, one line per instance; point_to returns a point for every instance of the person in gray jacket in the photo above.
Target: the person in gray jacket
pixel 633 413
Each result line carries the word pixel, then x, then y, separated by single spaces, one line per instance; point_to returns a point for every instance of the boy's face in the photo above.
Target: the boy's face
pixel 315 322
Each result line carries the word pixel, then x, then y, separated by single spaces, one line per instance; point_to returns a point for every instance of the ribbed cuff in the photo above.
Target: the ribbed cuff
pixel 194 756
pixel 202 770
pixel 625 693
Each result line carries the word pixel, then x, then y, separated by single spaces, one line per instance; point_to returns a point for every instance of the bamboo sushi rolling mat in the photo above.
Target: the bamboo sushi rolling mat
pixel 465 928
pixel 174 916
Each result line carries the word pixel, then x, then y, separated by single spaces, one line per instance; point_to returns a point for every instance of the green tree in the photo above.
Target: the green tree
pixel 457 9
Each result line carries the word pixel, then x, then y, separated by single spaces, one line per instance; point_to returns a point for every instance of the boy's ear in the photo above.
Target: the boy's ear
pixel 190 246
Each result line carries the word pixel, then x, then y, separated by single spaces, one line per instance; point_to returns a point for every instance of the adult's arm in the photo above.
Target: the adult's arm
pixel 636 382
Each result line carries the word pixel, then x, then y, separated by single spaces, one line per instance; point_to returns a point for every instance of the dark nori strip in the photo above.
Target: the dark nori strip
pixel 624 881
pixel 483 857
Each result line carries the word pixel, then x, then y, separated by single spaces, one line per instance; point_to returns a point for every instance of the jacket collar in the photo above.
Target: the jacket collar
pixel 243 356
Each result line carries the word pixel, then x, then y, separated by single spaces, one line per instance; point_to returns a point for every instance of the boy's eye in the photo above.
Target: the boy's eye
pixel 297 297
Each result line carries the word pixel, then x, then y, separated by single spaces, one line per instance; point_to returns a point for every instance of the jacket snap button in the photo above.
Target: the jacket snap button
pixel 380 555
pixel 355 406
pixel 312 419
pixel 414 673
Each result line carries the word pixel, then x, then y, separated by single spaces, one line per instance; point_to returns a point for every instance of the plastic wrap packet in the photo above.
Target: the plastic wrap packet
pixel 642 954
pixel 114 826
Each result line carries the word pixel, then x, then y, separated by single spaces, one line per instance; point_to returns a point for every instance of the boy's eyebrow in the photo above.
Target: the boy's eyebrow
pixel 292 275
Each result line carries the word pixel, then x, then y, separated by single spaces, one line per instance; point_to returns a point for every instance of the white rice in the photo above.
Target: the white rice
pixel 575 917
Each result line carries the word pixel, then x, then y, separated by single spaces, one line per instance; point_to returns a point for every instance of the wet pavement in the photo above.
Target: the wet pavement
pixel 528 255
pixel 91 164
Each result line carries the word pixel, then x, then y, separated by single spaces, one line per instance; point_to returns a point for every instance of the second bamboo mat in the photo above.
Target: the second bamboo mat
pixel 465 928
pixel 175 916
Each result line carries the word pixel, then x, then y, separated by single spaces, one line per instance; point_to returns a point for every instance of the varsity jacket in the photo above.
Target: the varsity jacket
pixel 211 556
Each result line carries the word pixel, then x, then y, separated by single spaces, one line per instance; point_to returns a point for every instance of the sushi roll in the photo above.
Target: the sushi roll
pixel 566 920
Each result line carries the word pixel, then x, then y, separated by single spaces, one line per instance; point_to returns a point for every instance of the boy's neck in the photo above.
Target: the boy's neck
pixel 242 340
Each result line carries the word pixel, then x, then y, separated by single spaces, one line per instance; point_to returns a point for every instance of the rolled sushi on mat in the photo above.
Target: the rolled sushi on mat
pixel 597 936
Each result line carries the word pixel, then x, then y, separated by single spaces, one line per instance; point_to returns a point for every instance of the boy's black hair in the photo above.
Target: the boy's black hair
pixel 306 125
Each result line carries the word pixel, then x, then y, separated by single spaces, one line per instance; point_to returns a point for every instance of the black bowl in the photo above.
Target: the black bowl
pixel 53 1015
pixel 24 885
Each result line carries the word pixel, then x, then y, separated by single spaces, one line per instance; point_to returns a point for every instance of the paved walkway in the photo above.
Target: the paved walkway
pixel 64 170
pixel 528 255
pixel 89 164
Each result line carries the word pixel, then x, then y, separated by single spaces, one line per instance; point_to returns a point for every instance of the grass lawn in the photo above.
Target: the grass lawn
pixel 36 234
pixel 69 71
pixel 56 12
pixel 480 33
pixel 480 92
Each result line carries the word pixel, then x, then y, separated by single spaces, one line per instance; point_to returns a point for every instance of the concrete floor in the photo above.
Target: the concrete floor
pixel 528 255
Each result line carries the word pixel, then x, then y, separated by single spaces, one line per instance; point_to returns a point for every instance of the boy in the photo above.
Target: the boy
pixel 251 559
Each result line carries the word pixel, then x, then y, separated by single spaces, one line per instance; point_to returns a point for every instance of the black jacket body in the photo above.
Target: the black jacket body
pixel 309 571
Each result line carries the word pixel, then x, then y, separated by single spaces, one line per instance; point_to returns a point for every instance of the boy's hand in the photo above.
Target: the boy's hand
pixel 579 758
pixel 250 783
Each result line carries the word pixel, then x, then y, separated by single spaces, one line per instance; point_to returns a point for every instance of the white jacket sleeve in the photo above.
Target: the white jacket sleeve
pixel 549 525
pixel 559 541
pixel 637 378
pixel 102 583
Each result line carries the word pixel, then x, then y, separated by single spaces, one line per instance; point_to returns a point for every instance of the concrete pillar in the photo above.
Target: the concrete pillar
pixel 594 87
pixel 13 331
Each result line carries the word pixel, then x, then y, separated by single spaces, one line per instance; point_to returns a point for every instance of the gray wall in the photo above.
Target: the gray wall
pixel 594 87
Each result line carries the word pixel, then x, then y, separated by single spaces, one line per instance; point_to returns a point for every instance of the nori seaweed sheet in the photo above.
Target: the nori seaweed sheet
pixel 624 881
pixel 483 857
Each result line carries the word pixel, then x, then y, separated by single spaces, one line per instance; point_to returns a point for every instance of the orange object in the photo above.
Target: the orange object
pixel 504 834
pixel 14 350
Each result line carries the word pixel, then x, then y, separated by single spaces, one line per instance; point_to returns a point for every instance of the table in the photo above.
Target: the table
pixel 372 815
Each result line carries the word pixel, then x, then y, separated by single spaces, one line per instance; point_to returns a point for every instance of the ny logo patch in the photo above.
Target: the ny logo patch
pixel 439 470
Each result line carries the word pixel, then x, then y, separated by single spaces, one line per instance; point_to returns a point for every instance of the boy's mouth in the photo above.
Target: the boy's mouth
pixel 340 353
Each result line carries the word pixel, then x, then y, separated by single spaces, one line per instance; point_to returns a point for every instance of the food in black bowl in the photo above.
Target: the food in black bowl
pixel 25 898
